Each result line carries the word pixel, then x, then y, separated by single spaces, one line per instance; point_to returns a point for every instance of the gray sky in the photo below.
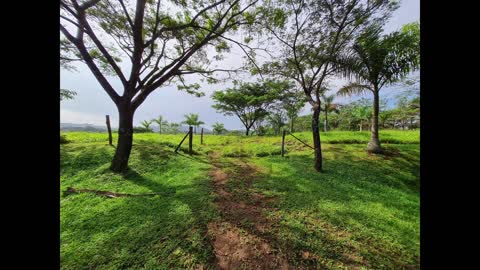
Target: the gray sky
pixel 92 103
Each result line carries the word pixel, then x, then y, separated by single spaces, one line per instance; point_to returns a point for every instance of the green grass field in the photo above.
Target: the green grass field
pixel 364 210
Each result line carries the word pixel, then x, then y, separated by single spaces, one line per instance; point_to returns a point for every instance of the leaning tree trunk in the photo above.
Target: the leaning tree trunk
pixel 374 143
pixel 316 138
pixel 125 139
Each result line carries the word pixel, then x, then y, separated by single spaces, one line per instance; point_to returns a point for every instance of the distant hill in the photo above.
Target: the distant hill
pixel 81 127
pixel 95 128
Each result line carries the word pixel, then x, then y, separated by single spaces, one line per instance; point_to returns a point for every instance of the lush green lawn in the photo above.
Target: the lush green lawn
pixel 161 232
pixel 363 208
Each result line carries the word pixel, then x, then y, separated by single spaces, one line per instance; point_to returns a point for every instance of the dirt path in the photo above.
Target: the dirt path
pixel 238 239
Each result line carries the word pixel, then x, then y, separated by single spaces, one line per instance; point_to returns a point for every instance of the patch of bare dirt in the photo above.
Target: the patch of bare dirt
pixel 236 249
pixel 238 240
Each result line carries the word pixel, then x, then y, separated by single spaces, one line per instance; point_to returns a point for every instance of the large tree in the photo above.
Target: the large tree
pixel 377 61
pixel 161 40
pixel 312 37
pixel 249 101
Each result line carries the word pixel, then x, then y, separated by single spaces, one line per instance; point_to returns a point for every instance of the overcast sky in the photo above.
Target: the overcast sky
pixel 92 103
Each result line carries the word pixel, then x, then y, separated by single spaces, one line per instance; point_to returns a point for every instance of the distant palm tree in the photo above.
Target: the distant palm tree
pixel 174 128
pixel 161 122
pixel 328 106
pixel 146 124
pixel 218 128
pixel 192 120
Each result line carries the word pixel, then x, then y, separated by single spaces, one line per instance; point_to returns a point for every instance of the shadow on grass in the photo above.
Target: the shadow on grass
pixel 375 200
pixel 160 232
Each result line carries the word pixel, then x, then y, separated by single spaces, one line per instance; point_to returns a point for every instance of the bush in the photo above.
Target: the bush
pixel 63 139
pixel 141 130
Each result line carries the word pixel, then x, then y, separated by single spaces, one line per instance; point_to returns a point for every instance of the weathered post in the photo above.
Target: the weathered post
pixel 180 144
pixel 109 130
pixel 283 142
pixel 190 138
pixel 201 137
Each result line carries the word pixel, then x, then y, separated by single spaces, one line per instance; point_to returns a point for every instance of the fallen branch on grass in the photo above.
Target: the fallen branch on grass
pixel 108 194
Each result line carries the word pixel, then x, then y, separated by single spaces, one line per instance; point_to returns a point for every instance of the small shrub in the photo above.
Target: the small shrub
pixel 63 139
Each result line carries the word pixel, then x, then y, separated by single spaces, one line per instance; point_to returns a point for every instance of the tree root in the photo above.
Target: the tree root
pixel 108 194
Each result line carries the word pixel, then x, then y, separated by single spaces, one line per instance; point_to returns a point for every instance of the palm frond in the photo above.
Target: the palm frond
pixel 353 89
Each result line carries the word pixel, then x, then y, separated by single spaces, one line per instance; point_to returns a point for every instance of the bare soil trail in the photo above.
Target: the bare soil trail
pixel 240 238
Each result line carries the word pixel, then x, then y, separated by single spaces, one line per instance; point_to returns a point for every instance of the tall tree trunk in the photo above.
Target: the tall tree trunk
pixel 374 143
pixel 248 129
pixel 361 125
pixel 291 125
pixel 316 138
pixel 326 120
pixel 125 139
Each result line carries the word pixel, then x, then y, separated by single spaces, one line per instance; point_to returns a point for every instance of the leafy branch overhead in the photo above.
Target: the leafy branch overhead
pixel 161 45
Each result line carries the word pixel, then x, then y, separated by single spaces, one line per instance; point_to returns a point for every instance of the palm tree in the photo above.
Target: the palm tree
pixel 192 120
pixel 160 121
pixel 377 61
pixel 362 113
pixel 146 124
pixel 328 106
pixel 218 128
pixel 174 128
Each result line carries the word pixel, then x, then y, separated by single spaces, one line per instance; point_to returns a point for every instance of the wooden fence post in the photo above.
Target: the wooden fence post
pixel 190 138
pixel 178 147
pixel 201 137
pixel 109 130
pixel 283 142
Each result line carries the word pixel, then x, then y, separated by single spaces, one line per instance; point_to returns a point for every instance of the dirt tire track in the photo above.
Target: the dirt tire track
pixel 237 239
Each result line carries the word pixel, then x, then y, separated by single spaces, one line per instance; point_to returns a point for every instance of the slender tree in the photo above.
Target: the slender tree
pixel 312 37
pixel 160 122
pixel 277 120
pixel 192 119
pixel 328 106
pixel 378 60
pixel 293 103
pixel 162 40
